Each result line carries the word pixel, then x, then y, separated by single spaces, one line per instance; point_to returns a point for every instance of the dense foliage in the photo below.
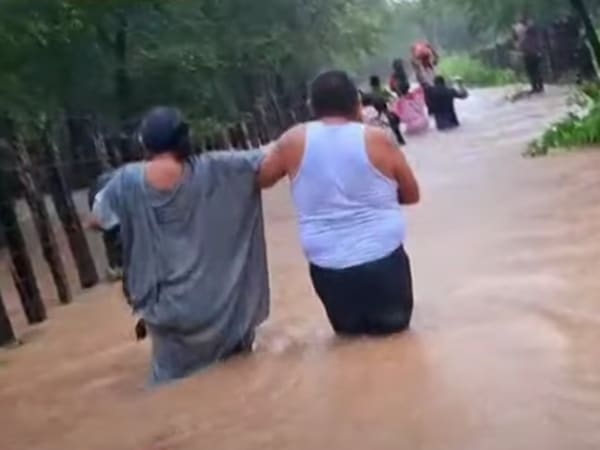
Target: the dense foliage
pixel 576 130
pixel 214 58
pixel 474 72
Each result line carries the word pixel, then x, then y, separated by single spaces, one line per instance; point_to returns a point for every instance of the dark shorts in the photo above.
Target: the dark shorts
pixel 375 298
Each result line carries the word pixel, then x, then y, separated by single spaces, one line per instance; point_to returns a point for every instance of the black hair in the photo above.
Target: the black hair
pixel 375 81
pixel 439 81
pixel 333 93
pixel 398 65
pixel 401 84
pixel 165 130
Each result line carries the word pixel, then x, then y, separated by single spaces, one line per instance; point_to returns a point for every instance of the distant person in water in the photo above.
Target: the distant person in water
pixel 424 61
pixel 374 111
pixel 412 111
pixel 399 80
pixel 383 96
pixel 441 102
pixel 528 42
pixel 349 184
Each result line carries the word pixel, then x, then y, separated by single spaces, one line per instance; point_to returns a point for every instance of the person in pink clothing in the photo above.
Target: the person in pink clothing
pixel 412 110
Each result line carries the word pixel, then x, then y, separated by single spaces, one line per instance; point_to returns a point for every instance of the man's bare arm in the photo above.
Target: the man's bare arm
pixel 388 158
pixel 283 158
pixel 272 169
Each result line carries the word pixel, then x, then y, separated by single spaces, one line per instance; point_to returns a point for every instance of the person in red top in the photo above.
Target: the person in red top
pixel 424 61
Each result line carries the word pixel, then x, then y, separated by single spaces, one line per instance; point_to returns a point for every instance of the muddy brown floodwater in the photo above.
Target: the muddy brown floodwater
pixel 503 354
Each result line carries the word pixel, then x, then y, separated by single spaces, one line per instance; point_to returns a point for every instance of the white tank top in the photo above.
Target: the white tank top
pixel 348 210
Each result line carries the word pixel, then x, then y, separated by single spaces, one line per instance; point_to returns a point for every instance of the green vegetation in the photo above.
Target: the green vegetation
pixel 576 130
pixel 474 72
pixel 216 59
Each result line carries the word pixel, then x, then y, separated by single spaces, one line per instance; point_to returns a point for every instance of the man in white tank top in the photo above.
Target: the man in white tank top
pixel 349 181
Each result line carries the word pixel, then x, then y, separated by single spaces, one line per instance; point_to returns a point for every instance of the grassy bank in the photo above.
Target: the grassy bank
pixel 474 72
pixel 577 129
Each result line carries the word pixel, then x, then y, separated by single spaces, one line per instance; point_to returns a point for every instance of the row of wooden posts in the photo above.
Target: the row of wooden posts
pixel 29 175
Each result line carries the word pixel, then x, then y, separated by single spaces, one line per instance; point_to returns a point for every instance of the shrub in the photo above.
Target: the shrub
pixel 576 130
pixel 474 72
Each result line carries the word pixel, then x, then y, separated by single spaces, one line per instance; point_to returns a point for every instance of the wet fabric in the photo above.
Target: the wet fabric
pixel 440 100
pixel 375 298
pixel 530 43
pixel 411 109
pixel 533 67
pixel 195 259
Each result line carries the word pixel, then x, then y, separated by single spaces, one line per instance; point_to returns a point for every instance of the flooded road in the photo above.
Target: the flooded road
pixel 503 354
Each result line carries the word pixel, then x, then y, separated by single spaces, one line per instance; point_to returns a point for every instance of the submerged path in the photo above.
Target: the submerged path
pixel 503 354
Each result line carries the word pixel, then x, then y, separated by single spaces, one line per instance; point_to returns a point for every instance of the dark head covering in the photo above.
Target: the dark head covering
pixel 164 129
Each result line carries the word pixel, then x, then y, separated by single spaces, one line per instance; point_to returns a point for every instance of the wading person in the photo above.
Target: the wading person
pixel 374 111
pixel 424 61
pixel 380 95
pixel 349 181
pixel 528 42
pixel 412 111
pixel 441 103
pixel 195 272
pixel 399 80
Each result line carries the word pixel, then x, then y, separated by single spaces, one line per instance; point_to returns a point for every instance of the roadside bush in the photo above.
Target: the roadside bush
pixel 474 72
pixel 576 130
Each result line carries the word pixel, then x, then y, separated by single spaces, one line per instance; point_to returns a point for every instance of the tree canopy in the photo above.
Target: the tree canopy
pixel 214 58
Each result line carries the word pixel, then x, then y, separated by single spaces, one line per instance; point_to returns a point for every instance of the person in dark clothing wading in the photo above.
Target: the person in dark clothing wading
pixel 528 41
pixel 441 102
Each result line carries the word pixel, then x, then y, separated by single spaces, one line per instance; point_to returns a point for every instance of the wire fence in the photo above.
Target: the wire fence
pixel 46 253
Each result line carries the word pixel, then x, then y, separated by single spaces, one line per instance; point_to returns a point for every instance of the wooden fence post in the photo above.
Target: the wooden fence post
pixel 234 137
pixel 226 139
pixel 114 150
pixel 253 135
pixel 7 335
pixel 200 146
pixel 21 267
pixel 100 148
pixel 67 213
pixel 209 143
pixel 279 119
pixel 242 135
pixel 293 117
pixel 267 131
pixel 218 141
pixel 41 218
pixel 246 135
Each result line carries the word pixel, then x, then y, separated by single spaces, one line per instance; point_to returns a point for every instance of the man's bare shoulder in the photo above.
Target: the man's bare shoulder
pixel 292 137
pixel 379 138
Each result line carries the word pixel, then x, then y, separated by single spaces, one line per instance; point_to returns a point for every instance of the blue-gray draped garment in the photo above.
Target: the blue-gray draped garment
pixel 194 258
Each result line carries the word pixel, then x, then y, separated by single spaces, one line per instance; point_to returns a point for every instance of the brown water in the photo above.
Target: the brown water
pixel 503 353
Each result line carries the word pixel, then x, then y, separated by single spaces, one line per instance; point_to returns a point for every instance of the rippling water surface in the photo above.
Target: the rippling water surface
pixel 503 353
